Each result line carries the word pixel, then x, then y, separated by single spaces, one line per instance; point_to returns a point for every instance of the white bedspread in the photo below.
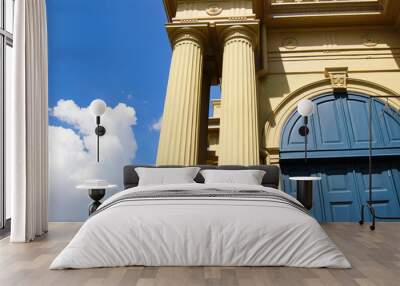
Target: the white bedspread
pixel 200 231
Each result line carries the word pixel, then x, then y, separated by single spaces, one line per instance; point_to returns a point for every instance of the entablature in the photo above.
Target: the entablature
pixel 199 10
pixel 214 11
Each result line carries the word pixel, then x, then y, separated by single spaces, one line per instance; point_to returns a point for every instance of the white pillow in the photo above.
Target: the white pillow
pixel 248 177
pixel 165 176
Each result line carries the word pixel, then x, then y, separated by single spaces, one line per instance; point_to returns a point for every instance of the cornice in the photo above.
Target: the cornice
pixel 170 8
pixel 281 13
pixel 308 13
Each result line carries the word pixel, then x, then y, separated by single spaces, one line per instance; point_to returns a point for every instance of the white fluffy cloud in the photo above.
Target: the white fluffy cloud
pixel 72 155
pixel 157 125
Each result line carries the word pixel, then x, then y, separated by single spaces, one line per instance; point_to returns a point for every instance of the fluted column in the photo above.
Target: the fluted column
pixel 238 141
pixel 179 136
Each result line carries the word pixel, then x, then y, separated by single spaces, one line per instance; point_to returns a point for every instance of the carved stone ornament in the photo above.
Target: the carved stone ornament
pixel 239 33
pixel 185 35
pixel 214 10
pixel 289 43
pixel 369 40
pixel 338 77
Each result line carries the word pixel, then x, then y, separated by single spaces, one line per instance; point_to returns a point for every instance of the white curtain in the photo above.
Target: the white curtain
pixel 26 123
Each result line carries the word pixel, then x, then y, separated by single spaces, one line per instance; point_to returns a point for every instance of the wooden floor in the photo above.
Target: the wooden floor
pixel 375 257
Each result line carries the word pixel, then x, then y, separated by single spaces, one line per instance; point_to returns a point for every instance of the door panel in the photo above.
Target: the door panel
pixel 341 202
pixel 293 141
pixel 395 168
pixel 330 130
pixel 384 196
pixel 356 114
pixel 389 121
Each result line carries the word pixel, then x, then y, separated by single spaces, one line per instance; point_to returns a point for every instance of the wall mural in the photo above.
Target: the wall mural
pixel 97 55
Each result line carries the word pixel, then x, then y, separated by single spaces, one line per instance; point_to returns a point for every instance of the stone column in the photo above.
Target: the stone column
pixel 238 141
pixel 179 135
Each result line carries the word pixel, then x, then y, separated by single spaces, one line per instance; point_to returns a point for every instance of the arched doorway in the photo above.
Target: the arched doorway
pixel 338 148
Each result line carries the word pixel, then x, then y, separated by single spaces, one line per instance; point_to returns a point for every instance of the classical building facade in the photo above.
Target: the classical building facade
pixel 267 55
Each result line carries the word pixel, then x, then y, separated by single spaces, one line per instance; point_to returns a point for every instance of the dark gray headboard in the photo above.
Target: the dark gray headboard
pixel 271 177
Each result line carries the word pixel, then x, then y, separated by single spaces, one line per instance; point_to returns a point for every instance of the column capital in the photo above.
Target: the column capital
pixel 245 31
pixel 194 33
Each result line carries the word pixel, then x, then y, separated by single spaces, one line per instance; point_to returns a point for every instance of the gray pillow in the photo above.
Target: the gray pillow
pixel 166 176
pixel 247 177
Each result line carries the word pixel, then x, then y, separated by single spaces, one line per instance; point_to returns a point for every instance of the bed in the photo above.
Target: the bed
pixel 198 224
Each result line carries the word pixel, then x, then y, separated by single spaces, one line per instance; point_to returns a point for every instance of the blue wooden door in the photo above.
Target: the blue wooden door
pixel 384 194
pixel 342 203
pixel 338 148
pixel 329 134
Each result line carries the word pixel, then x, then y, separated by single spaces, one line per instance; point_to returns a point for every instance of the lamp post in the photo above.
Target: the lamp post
pixel 98 108
pixel 305 107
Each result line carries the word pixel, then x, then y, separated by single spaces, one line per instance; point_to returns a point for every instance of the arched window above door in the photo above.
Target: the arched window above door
pixel 339 128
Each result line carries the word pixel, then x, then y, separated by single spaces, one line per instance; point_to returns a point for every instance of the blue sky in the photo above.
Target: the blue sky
pixel 114 50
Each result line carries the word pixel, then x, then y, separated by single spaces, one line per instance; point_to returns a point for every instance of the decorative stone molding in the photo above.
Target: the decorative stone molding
pixel 194 20
pixel 369 40
pixel 193 33
pixel 271 155
pixel 289 43
pixel 238 18
pixel 214 10
pixel 315 12
pixel 330 40
pixel 305 1
pixel 338 77
pixel 188 34
pixel 239 33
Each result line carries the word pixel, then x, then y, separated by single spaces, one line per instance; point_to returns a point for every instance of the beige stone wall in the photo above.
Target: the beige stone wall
pixel 296 60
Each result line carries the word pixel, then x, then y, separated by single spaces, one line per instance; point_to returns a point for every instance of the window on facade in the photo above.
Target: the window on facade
pixel 6 61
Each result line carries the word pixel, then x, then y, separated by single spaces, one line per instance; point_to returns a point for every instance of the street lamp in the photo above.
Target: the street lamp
pixel 98 108
pixel 305 107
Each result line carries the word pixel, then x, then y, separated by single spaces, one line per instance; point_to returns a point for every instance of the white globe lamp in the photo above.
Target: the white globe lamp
pixel 305 107
pixel 98 107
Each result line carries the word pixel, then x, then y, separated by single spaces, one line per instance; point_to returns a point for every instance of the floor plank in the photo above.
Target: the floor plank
pixel 375 257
